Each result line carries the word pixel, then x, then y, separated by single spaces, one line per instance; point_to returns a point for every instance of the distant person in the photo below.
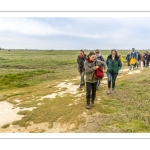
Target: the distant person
pixel 99 57
pixel 134 52
pixel 139 60
pixel 91 64
pixel 128 58
pixel 80 60
pixel 121 58
pixel 114 65
pixel 132 62
pixel 146 57
pixel 142 60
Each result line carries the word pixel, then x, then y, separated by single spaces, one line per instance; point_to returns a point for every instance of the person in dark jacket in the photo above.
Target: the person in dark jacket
pixel 91 64
pixel 139 60
pixel 114 65
pixel 146 57
pixel 128 58
pixel 80 60
pixel 99 57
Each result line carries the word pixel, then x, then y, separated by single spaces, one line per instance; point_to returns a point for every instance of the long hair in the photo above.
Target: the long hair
pixel 113 50
pixel 82 51
pixel 90 54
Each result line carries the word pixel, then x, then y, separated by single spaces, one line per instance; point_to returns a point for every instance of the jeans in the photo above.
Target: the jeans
pixel 111 78
pixel 139 63
pixel 90 92
pixel 98 84
pixel 82 77
pixel 146 63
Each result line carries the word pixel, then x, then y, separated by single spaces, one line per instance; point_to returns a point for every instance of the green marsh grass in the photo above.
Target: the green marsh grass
pixel 29 75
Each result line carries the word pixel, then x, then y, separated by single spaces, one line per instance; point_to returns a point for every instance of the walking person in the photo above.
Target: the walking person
pixel 121 58
pixel 99 57
pixel 128 58
pixel 146 59
pixel 80 60
pixel 91 64
pixel 132 62
pixel 139 60
pixel 114 65
pixel 134 52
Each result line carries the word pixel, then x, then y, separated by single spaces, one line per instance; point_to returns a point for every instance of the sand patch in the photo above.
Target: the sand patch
pixel 41 127
pixel 119 77
pixel 124 70
pixel 133 72
pixel 7 113
pixel 104 81
pixel 74 79
pixel 17 100
pixel 70 88
pixel 53 95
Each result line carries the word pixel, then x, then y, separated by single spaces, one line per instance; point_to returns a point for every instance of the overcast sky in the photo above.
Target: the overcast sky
pixel 75 33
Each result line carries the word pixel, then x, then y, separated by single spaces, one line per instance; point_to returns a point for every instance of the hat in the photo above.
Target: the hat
pixel 97 51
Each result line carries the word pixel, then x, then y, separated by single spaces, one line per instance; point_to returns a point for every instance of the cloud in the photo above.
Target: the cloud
pixel 26 26
pixel 73 33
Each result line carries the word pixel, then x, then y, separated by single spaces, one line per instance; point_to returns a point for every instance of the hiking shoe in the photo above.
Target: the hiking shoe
pixel 112 91
pixel 108 91
pixel 83 84
pixel 88 106
pixel 92 104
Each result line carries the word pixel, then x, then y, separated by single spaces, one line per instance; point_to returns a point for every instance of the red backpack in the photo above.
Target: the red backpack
pixel 99 74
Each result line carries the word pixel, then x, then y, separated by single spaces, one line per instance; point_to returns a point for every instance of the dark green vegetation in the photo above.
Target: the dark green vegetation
pixel 28 75
pixel 27 68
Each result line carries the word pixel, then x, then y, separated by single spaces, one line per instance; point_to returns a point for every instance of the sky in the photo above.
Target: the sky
pixel 73 33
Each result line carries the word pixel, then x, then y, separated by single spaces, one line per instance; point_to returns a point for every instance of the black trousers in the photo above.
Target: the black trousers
pixel 90 92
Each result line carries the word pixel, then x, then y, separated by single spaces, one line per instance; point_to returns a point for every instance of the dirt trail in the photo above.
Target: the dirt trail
pixel 8 112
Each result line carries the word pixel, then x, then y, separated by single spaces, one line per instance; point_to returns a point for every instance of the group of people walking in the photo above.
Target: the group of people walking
pixel 135 59
pixel 87 66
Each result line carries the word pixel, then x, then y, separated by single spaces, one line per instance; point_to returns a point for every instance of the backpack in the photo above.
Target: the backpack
pixel 99 74
pixel 133 53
